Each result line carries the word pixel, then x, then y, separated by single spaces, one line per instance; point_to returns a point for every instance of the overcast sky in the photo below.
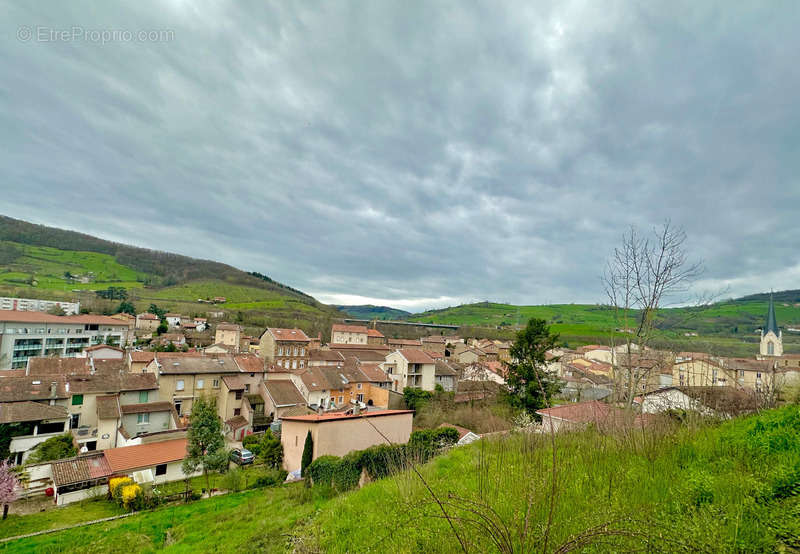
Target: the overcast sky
pixel 413 154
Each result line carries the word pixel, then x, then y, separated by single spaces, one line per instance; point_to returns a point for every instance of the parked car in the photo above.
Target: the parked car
pixel 242 456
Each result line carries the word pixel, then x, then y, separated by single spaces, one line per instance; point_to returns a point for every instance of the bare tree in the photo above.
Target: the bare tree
pixel 642 273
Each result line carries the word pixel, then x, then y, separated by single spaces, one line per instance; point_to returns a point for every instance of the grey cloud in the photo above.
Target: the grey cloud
pixel 418 153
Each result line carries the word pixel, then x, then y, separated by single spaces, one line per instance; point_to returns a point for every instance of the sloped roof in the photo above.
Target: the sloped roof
pixel 374 333
pixel 323 378
pixel 283 392
pixel 771 324
pixel 30 411
pixel 462 432
pixel 80 469
pixel 443 369
pixel 127 458
pixel 288 334
pixel 325 355
pixel 341 328
pixel 414 356
pixel 228 327
pixel 189 363
pixel 43 317
pixel 405 342
pixel 339 416
pixel 112 382
pixel 233 382
pixel 107 407
pixel 146 408
pixel 17 389
pixel 58 366
pixel 142 356
pixel 374 373
pixel 250 363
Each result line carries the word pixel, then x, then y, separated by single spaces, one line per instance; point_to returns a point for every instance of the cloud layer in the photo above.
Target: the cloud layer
pixel 414 154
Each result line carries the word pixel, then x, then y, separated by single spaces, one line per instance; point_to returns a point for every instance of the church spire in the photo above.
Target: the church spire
pixel 771 324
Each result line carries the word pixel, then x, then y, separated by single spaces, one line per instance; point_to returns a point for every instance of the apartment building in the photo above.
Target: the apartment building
pixel 36 305
pixel 25 335
pixel 286 348
pixel 411 368
pixel 228 334
pixel 348 334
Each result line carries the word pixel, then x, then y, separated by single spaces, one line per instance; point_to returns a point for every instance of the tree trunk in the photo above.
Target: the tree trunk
pixel 5 511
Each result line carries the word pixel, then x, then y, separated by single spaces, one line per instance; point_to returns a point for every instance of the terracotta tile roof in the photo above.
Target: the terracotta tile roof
pixel 128 458
pixel 233 382
pixel 339 416
pixel 250 363
pixel 299 410
pixel 16 389
pixel 374 373
pixel 443 369
pixel 82 384
pixel 146 408
pixel 462 432
pixel 288 334
pixel 283 392
pixel 362 347
pixel 338 327
pixel 323 378
pixel 229 327
pixel 374 333
pixel 81 469
pixel 107 407
pixel 598 413
pixel 191 363
pixel 30 411
pixel 58 366
pixel 435 339
pixel 102 346
pixel 146 357
pixel 416 356
pixel 325 355
pixel 42 317
pixel 148 316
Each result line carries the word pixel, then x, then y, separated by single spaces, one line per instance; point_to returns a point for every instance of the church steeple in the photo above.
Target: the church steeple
pixel 771 338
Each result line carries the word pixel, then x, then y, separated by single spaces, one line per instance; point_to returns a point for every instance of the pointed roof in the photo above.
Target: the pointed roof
pixel 771 324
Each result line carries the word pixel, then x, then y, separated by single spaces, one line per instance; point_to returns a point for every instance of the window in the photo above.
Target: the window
pixel 77 399
pixel 358 386
pixel 341 399
pixel 302 364
pixel 74 421
pixel 294 364
pixel 179 385
pixel 178 407
pixel 280 351
pixel 215 383
pixel 142 419
pixel 360 397
pixel 143 397
pixel 238 395
pixel 200 383
pixel 237 411
pixel 758 375
pixel 302 351
pixel 161 469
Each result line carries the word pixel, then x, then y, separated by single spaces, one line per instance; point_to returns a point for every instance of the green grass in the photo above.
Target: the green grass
pixel 58 517
pixel 730 488
pixel 713 488
pixel 253 521
pixel 48 265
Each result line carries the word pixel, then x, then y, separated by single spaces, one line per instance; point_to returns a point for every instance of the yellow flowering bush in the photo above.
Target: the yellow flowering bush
pixel 131 496
pixel 115 484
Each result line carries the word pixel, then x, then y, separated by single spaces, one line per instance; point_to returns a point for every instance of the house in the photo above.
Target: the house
pixel 578 415
pixel 478 371
pixel 348 334
pixel 33 423
pixel 79 478
pixel 147 321
pixel 103 351
pixel 404 343
pixel 29 334
pixel 176 339
pixel 446 375
pixel 719 401
pixel 411 368
pixel 597 352
pixel 228 334
pixel 173 319
pixel 434 343
pixel 339 433
pixel 375 337
pixel 156 462
pixel 468 355
pixel 281 397
pixel 139 361
pixel 465 436
pixel 285 347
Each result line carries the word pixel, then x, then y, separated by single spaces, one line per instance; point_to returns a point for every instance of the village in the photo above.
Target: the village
pixel 126 403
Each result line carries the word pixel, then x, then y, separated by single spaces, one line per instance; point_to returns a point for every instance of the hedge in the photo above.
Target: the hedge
pixel 379 461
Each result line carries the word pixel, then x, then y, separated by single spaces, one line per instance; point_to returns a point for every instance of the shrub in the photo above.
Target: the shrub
pixel 252 443
pixel 233 480
pixel 308 454
pixel 125 492
pixel 428 441
pixel 322 469
pixel 270 451
pixel 54 448
pixel 271 479
pixel 416 398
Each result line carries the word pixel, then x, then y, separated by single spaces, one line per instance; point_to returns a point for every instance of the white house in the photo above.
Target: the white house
pixel 348 334
pixel 411 368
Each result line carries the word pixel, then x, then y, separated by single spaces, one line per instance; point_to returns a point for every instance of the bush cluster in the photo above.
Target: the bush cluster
pixel 266 447
pixel 381 460
pixel 125 492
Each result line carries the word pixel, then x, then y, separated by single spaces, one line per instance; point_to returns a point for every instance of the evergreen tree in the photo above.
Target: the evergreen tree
pixel 308 454
pixel 125 307
pixel 530 386
pixel 206 448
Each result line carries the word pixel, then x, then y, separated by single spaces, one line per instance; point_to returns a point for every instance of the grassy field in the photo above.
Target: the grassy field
pixel 730 488
pixel 47 267
pixel 733 487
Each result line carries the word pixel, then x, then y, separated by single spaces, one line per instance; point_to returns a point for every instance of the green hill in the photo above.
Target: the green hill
pixel 368 311
pixel 733 487
pixel 44 262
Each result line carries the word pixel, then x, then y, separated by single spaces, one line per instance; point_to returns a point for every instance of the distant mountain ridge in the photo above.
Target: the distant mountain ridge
pixel 369 311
